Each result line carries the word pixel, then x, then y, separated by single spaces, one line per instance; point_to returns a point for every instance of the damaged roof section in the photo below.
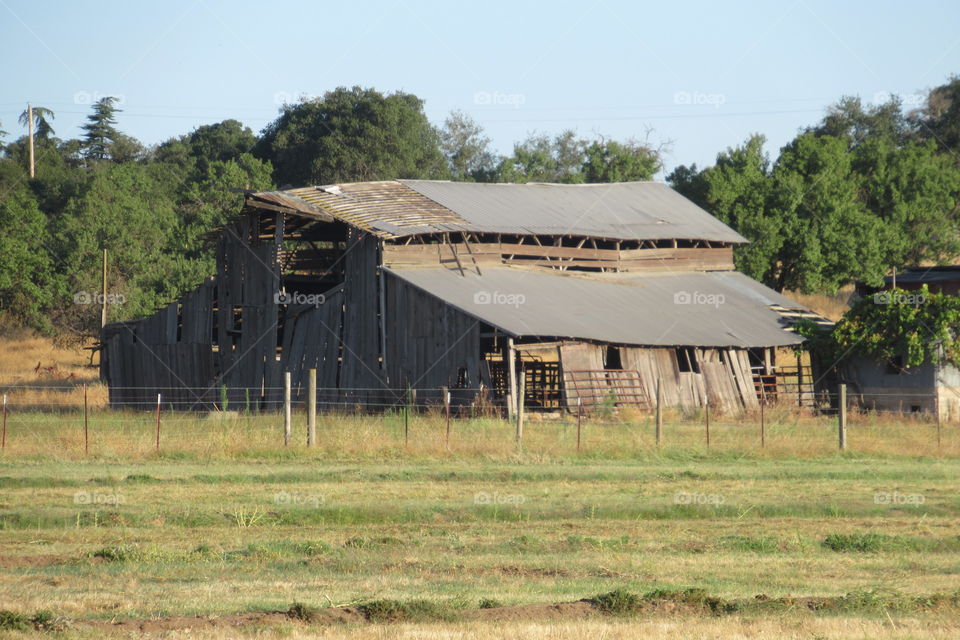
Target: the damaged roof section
pixel 619 211
pixel 708 309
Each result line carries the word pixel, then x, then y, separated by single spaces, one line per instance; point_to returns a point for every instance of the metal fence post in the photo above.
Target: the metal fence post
pixel 312 408
pixel 158 422
pixel 287 409
pixel 86 423
pixel 3 439
pixel 842 422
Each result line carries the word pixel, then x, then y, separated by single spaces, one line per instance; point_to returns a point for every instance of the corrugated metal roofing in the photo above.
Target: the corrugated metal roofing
pixel 708 309
pixel 623 211
pixel 926 274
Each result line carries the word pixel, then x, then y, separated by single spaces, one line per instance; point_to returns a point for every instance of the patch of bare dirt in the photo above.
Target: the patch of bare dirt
pixel 540 612
pixel 176 623
pixel 41 560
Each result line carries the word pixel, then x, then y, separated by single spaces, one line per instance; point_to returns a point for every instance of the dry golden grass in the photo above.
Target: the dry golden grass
pixel 36 372
pixel 225 436
pixel 832 307
pixel 793 628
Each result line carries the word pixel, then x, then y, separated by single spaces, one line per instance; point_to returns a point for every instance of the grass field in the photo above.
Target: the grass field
pixel 226 533
pixel 224 521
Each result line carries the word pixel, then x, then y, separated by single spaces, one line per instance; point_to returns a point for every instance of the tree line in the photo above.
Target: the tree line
pixel 866 189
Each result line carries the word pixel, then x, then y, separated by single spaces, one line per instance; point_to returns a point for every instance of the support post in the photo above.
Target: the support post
pixel 521 404
pixel 158 422
pixel 312 408
pixel 86 423
pixel 3 438
pixel 287 409
pixel 842 422
pixel 659 412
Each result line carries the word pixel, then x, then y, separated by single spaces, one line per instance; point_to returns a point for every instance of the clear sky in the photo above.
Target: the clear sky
pixel 702 75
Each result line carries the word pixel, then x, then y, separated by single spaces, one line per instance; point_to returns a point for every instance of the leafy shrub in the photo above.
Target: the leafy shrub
pixel 857 542
pixel 11 621
pixel 617 602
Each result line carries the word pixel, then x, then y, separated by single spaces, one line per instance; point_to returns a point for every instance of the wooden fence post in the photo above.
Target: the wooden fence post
pixel 86 423
pixel 287 409
pixel 659 413
pixel 763 428
pixel 406 417
pixel 511 380
pixel 707 413
pixel 446 410
pixel 521 405
pixel 579 419
pixel 158 422
pixel 3 439
pixel 312 408
pixel 842 422
pixel 799 382
pixel 936 408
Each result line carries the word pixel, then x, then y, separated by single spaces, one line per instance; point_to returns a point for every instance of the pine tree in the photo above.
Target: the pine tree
pixel 100 132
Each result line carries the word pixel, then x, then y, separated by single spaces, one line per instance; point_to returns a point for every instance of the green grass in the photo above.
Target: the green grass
pixel 429 537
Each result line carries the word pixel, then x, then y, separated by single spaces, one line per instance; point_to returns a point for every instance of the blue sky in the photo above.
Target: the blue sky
pixel 702 75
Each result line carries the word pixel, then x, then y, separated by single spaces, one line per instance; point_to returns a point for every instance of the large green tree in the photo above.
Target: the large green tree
pixel 352 135
pixel 28 284
pixel 127 210
pixel 845 200
pixel 939 118
pixel 467 149
pixel 568 158
pixel 612 161
pixel 542 158
pixel 99 130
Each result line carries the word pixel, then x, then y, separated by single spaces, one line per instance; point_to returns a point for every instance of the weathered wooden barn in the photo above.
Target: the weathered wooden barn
pixel 592 293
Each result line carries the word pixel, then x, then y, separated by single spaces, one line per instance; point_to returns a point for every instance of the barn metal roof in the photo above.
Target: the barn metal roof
pixel 620 211
pixel 707 309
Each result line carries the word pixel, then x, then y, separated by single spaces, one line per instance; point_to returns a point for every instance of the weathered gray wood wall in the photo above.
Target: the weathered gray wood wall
pixel 428 342
pixel 361 378
pixel 725 378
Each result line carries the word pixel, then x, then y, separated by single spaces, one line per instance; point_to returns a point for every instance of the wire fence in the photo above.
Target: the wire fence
pixel 80 421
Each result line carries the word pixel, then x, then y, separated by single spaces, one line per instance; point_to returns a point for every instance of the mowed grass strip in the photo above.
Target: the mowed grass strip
pixel 100 539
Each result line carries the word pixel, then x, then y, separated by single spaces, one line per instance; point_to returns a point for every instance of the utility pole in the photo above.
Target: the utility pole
pixel 103 302
pixel 33 172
